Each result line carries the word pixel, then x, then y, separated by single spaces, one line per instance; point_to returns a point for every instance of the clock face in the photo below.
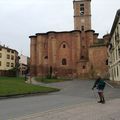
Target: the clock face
pixel 82 20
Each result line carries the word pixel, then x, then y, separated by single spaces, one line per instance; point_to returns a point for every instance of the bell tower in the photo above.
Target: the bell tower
pixel 82 14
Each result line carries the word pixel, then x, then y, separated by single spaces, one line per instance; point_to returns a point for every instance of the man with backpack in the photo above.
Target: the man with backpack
pixel 100 85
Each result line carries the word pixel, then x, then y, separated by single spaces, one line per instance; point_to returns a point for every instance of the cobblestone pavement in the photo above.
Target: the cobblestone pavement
pixel 84 111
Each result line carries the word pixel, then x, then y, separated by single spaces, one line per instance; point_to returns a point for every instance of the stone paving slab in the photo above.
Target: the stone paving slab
pixel 83 111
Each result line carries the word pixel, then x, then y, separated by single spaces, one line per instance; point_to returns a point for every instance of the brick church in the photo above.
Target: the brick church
pixel 78 53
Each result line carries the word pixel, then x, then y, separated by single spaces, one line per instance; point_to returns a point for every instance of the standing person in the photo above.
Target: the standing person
pixel 100 85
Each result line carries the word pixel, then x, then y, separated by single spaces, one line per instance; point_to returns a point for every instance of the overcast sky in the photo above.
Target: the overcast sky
pixel 21 18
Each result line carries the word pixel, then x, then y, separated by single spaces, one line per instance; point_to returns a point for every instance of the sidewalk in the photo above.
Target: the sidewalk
pixel 83 111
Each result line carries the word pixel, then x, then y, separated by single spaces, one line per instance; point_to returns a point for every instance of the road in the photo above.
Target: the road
pixel 72 93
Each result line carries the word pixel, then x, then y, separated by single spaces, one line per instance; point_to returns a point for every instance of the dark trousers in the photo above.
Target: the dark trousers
pixel 101 96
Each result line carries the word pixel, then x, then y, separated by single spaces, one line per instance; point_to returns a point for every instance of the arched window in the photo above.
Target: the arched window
pixel 46 57
pixel 64 61
pixel 82 57
pixel 84 67
pixel 64 46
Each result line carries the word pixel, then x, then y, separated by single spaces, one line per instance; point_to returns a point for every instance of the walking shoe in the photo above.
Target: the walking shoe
pixel 103 102
pixel 100 101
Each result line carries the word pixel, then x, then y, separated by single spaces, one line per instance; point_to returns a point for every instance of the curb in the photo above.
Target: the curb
pixel 26 95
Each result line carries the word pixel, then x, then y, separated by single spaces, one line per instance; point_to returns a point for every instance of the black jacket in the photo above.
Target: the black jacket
pixel 99 84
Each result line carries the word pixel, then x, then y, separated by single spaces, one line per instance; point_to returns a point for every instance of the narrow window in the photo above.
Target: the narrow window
pixel 7 64
pixel 12 64
pixel 117 72
pixel 8 56
pixel 46 57
pixel 114 72
pixel 0 63
pixel 107 62
pixel 64 61
pixel 83 66
pixel 64 46
pixel 81 9
pixel 82 28
pixel 12 51
pixel 0 55
pixel 8 50
pixel 12 57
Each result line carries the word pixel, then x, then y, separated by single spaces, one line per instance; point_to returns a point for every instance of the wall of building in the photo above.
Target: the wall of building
pixel 7 58
pixel 55 49
pixel 98 57
pixel 24 65
pixel 49 50
pixel 114 50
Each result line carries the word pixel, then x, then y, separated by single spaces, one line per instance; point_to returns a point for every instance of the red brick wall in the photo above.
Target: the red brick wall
pixel 51 45
pixel 98 57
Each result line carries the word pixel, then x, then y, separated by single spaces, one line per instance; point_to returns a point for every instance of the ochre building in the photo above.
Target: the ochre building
pixel 78 53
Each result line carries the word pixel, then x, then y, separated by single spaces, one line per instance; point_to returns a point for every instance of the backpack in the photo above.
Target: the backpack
pixel 101 84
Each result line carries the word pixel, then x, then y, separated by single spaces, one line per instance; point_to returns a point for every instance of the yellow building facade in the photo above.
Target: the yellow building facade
pixel 7 58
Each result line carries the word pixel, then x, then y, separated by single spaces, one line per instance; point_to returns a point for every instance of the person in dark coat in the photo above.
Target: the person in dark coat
pixel 100 85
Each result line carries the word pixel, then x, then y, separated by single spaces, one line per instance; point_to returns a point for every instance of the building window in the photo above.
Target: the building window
pixel 45 44
pixel 8 56
pixel 46 57
pixel 81 9
pixel 64 46
pixel 0 63
pixel 82 57
pixel 8 50
pixel 83 66
pixel 8 64
pixel 0 55
pixel 116 55
pixel 106 62
pixel 12 64
pixel 12 57
pixel 114 72
pixel 117 71
pixel 64 61
pixel 82 28
pixel 12 51
pixel 119 51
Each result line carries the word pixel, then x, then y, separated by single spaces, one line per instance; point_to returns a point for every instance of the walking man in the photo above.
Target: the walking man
pixel 100 85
